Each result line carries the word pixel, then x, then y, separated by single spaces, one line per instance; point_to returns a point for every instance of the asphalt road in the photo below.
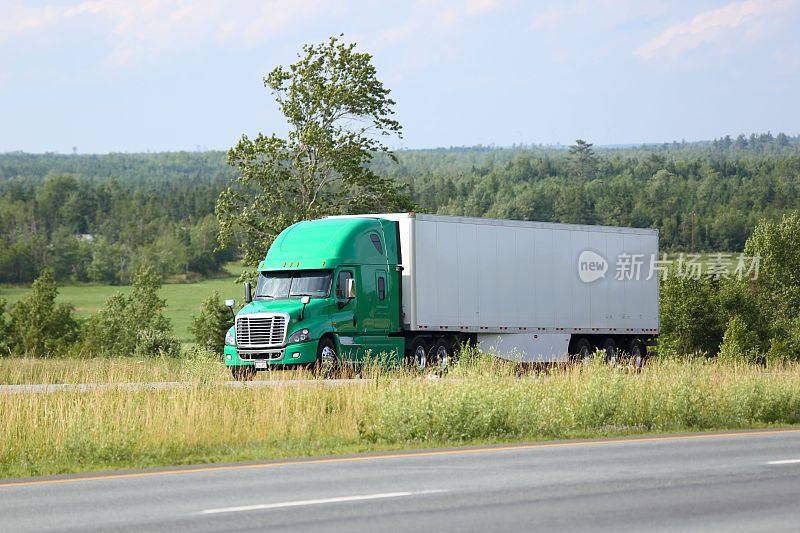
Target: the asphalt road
pixel 731 482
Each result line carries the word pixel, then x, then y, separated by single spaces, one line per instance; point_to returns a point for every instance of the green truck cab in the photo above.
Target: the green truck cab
pixel 328 292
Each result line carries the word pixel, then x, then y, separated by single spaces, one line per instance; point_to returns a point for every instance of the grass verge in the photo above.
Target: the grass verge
pixel 201 366
pixel 483 401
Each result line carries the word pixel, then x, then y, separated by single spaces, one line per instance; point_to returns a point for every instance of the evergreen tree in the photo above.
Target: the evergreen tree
pixel 584 160
pixel 40 326
pixel 210 326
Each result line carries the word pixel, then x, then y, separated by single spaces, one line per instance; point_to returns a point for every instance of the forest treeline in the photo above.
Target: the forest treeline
pixel 103 217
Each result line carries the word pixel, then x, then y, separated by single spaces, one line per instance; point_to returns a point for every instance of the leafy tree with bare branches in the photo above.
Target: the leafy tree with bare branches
pixel 339 113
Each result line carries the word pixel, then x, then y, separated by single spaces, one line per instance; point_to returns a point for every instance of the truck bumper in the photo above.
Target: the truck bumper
pixel 293 354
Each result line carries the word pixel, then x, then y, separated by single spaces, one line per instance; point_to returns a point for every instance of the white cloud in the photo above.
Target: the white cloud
pixel 597 13
pixel 18 17
pixel 475 7
pixel 552 16
pixel 147 27
pixel 714 25
pixel 430 17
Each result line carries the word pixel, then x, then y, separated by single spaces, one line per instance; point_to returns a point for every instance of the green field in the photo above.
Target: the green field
pixel 183 299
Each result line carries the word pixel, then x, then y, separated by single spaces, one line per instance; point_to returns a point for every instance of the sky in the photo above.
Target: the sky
pixel 98 76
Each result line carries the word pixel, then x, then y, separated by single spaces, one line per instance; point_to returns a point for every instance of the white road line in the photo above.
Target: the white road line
pixel 300 503
pixel 784 462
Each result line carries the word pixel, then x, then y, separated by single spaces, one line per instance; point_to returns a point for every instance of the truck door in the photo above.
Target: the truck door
pixel 373 310
pixel 344 314
pixel 373 313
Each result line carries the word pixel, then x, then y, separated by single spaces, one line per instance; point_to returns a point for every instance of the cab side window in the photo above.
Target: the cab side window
pixel 376 242
pixel 341 283
pixel 381 288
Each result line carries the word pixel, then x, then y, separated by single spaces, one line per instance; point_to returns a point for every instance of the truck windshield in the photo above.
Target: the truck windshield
pixel 314 283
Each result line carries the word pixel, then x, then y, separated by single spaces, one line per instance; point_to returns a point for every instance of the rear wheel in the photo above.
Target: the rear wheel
pixel 638 354
pixel 243 372
pixel 582 352
pixel 442 355
pixel 611 352
pixel 327 359
pixel 418 358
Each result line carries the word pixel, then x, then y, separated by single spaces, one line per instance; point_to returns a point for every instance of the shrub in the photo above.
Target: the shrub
pixel 133 323
pixel 690 316
pixel 39 326
pixel 784 345
pixel 5 330
pixel 778 283
pixel 210 326
pixel 740 342
pixel 154 342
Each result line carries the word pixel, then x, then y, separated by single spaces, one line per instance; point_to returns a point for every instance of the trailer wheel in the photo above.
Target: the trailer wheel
pixel 583 352
pixel 243 372
pixel 612 354
pixel 419 354
pixel 327 359
pixel 442 354
pixel 638 354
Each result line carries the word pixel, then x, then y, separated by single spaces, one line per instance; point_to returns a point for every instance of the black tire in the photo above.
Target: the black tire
pixel 327 359
pixel 442 355
pixel 418 356
pixel 611 352
pixel 582 352
pixel 638 354
pixel 243 372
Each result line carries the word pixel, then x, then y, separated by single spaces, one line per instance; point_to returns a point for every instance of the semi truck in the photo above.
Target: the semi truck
pixel 411 288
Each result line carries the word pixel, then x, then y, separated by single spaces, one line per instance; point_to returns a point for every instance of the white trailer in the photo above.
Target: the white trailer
pixel 529 291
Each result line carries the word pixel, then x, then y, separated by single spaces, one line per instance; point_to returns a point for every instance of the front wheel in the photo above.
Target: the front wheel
pixel 327 359
pixel 243 372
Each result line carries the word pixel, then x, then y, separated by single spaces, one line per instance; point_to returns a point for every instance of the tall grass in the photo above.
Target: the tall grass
pixel 197 366
pixel 481 400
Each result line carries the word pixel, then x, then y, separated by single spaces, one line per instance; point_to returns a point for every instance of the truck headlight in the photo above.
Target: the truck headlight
pixel 230 338
pixel 299 336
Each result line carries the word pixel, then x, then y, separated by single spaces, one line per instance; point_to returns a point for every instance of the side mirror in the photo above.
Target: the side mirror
pixel 248 292
pixel 230 304
pixel 304 300
pixel 350 289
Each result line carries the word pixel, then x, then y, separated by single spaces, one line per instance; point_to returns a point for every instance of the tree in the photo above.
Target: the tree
pixel 6 332
pixel 40 326
pixel 584 160
pixel 211 325
pixel 776 290
pixel 690 318
pixel 204 253
pixel 338 113
pixel 133 323
pixel 740 342
pixel 108 262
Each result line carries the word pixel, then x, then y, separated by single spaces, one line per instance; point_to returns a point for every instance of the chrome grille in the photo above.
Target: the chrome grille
pixel 261 331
